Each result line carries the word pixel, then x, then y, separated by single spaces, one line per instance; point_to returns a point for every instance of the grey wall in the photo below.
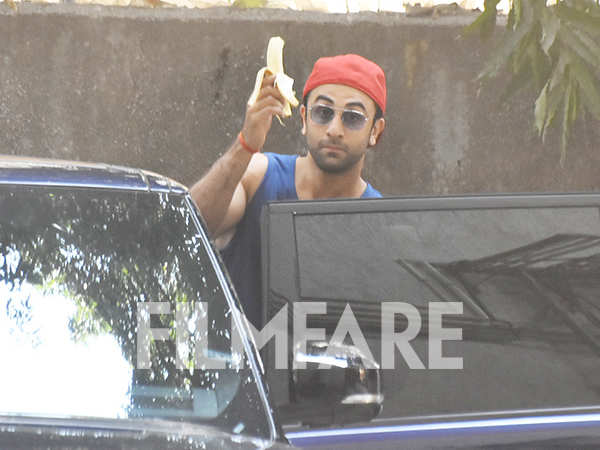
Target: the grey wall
pixel 166 90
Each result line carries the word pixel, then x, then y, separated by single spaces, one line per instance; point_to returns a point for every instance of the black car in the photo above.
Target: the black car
pixel 116 318
pixel 120 328
pixel 481 311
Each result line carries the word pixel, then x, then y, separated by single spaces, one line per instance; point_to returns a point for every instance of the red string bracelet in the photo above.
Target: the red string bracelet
pixel 245 145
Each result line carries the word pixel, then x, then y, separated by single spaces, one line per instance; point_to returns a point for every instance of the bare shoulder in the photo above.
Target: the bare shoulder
pixel 243 194
pixel 254 174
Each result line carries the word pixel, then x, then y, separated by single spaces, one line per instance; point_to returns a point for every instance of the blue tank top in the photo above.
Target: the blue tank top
pixel 242 255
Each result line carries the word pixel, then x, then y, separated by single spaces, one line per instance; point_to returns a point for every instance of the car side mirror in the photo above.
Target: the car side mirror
pixel 339 385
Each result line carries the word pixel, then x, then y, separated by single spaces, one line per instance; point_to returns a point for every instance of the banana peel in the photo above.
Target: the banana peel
pixel 283 82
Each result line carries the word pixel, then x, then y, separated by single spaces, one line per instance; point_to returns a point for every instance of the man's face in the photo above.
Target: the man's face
pixel 336 146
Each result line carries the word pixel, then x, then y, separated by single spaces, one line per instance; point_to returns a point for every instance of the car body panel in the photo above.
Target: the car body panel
pixel 525 267
pixel 49 172
pixel 79 433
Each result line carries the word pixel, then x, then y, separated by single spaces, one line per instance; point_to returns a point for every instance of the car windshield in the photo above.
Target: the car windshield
pixel 110 307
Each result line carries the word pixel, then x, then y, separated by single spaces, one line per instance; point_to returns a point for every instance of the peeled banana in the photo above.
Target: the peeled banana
pixel 282 81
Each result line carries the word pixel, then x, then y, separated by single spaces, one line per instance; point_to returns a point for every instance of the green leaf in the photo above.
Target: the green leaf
pixel 518 10
pixel 559 69
pixel 521 55
pixel 587 83
pixel 485 23
pixel 541 109
pixel 510 22
pixel 556 47
pixel 567 122
pixel 588 22
pixel 550 27
pixel 574 103
pixel 540 63
pixel 555 98
pixel 511 42
pixel 574 42
pixel 591 45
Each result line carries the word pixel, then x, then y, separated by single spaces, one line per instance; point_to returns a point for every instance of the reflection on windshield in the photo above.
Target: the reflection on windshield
pixel 35 346
pixel 78 271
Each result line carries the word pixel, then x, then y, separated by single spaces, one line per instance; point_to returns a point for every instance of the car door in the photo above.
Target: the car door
pixel 481 312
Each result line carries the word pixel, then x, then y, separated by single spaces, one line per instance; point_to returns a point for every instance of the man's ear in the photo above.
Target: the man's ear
pixel 376 131
pixel 303 116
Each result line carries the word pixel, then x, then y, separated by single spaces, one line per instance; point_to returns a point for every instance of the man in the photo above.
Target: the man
pixel 342 111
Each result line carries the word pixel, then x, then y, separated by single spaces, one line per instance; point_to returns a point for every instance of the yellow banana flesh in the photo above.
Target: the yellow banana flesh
pixel 282 81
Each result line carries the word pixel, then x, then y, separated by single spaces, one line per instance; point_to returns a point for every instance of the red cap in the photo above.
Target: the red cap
pixel 350 70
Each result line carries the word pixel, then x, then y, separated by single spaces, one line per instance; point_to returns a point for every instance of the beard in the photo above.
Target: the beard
pixel 334 162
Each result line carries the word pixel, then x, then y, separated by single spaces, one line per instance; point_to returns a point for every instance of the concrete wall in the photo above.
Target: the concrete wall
pixel 166 90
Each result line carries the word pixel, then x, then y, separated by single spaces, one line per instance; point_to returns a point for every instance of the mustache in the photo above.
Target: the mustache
pixel 332 143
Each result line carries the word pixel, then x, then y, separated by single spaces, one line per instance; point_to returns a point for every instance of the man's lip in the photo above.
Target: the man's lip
pixel 333 147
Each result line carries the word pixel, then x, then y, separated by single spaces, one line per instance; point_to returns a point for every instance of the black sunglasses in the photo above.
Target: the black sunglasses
pixel 323 114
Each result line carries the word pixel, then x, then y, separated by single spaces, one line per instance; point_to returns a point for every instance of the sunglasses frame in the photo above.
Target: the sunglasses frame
pixel 343 111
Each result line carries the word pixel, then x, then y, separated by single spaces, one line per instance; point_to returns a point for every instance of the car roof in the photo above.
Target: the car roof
pixel 54 172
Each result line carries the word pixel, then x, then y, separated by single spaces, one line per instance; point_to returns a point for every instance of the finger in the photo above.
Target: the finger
pixel 257 125
pixel 266 103
pixel 270 92
pixel 262 116
pixel 268 80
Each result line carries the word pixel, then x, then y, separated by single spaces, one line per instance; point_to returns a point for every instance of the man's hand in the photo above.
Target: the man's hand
pixel 224 191
pixel 259 116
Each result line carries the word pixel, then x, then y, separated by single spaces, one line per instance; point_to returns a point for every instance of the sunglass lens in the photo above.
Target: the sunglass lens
pixel 322 114
pixel 353 119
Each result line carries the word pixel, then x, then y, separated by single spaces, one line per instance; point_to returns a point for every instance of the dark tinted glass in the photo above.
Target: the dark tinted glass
pixel 323 114
pixel 353 119
pixel 78 271
pixel 528 280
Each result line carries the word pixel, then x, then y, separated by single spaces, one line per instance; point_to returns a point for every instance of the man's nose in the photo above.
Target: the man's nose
pixel 336 127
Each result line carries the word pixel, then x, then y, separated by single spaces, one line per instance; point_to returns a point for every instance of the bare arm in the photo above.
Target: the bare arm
pixel 220 191
pixel 224 191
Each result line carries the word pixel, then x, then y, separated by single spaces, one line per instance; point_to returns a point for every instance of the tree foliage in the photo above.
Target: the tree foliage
pixel 553 48
pixel 106 253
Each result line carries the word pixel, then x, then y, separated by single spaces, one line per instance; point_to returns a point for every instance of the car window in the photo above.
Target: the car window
pixel 527 278
pixel 110 306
